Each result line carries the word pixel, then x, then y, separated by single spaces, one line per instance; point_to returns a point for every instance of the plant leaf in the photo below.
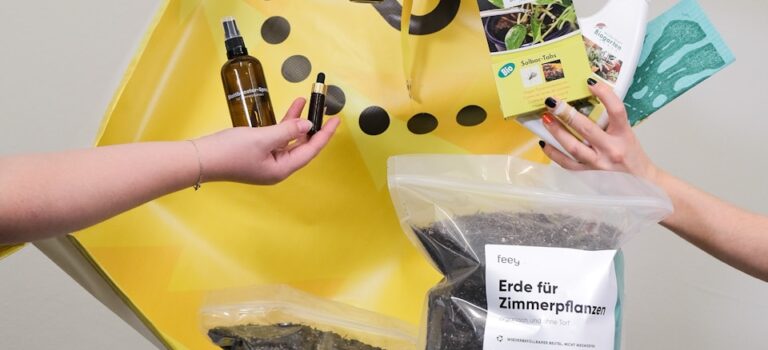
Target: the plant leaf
pixel 515 37
pixel 569 15
pixel 536 28
pixel 497 3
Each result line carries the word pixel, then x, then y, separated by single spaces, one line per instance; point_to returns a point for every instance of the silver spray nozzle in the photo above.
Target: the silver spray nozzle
pixel 230 28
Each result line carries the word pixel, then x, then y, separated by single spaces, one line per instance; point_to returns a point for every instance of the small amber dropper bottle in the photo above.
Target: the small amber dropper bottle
pixel 244 82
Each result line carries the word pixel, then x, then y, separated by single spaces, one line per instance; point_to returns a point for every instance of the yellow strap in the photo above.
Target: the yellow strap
pixel 405 25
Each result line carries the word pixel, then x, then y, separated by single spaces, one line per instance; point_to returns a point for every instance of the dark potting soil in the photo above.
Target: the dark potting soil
pixel 457 305
pixel 282 337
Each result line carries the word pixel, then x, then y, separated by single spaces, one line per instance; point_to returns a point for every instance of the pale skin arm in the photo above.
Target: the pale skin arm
pixel 735 236
pixel 45 195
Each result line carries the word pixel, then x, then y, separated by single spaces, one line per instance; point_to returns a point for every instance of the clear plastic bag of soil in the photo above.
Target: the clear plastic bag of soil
pixel 282 318
pixel 529 253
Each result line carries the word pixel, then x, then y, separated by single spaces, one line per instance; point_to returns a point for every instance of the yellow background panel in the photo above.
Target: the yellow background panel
pixel 330 229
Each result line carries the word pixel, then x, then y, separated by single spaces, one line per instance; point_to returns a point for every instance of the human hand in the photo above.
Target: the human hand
pixel 613 149
pixel 263 156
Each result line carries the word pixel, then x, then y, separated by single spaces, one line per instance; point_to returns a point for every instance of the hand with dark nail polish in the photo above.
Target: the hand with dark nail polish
pixel 725 231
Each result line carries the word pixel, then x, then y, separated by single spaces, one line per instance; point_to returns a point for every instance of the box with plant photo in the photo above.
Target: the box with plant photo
pixel 536 51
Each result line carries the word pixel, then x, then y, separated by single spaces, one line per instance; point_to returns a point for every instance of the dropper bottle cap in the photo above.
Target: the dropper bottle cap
pixel 319 86
pixel 232 38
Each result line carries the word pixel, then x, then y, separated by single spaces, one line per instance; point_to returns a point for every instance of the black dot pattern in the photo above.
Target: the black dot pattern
pixel 275 30
pixel 422 123
pixel 374 121
pixel 471 116
pixel 334 100
pixel 296 68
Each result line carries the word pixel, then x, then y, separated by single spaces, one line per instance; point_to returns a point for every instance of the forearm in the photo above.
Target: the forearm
pixel 46 195
pixel 737 237
pixel 49 194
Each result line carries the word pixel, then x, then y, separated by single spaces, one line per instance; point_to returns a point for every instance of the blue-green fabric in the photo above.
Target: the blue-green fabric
pixel 618 265
pixel 682 48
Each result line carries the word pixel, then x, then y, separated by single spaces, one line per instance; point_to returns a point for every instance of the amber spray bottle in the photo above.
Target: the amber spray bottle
pixel 244 82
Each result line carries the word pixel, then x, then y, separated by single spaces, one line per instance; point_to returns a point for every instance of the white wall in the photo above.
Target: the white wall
pixel 679 297
pixel 60 62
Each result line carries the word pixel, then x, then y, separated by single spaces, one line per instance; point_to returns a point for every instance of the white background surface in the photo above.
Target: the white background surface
pixel 61 61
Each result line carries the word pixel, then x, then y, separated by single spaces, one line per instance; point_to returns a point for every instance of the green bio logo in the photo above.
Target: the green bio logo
pixel 505 71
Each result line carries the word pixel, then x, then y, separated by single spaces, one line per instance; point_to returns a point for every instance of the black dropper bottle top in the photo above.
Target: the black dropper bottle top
pixel 317 104
pixel 233 40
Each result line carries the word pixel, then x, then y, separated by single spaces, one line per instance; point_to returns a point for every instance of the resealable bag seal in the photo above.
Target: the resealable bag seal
pixel 529 252
pixel 281 317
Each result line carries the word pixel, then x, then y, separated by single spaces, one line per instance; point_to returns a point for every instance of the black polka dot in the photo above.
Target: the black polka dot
pixel 296 68
pixel 422 123
pixel 471 116
pixel 374 120
pixel 334 100
pixel 275 30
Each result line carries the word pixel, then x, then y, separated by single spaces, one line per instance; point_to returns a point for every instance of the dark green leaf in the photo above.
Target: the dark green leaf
pixel 536 29
pixel 515 37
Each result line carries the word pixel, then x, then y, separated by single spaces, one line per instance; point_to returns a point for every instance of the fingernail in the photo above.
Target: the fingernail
pixel 550 102
pixel 591 82
pixel 542 144
pixel 547 119
pixel 304 125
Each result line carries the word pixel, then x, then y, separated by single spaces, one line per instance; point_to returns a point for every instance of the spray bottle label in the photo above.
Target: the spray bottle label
pixel 256 92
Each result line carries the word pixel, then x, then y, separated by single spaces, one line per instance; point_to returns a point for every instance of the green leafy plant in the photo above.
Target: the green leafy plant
pixel 515 37
pixel 532 23
pixel 547 16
